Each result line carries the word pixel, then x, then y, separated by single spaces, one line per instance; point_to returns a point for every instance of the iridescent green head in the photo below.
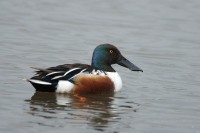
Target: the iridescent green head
pixel 105 55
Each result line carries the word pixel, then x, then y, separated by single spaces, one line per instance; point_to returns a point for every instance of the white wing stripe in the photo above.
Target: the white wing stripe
pixel 39 82
pixel 77 74
pixel 57 77
pixel 83 70
pixel 71 70
pixel 54 73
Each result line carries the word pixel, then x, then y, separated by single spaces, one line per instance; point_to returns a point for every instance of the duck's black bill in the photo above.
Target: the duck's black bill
pixel 126 63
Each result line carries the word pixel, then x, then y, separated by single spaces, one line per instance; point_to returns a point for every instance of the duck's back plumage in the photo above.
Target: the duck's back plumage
pixel 47 80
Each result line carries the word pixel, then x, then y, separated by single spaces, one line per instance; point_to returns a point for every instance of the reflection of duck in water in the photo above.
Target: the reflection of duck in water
pixel 99 77
pixel 95 110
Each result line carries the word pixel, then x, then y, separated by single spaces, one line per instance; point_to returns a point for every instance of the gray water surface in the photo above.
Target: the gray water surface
pixel 161 37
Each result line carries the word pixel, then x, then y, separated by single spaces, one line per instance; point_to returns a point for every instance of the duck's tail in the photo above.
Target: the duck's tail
pixel 42 85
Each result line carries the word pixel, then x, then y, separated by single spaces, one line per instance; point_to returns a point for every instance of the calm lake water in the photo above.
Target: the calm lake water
pixel 161 37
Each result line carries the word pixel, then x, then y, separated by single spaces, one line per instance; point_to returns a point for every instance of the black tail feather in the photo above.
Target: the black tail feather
pixel 43 87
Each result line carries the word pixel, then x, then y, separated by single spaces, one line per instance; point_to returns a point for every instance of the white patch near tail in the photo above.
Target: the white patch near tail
pixel 114 76
pixel 64 86
pixel 39 82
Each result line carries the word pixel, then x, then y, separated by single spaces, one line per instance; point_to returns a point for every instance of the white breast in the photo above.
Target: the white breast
pixel 114 76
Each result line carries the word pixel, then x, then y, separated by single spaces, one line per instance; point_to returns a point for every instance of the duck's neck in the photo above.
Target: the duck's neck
pixel 98 64
pixel 102 66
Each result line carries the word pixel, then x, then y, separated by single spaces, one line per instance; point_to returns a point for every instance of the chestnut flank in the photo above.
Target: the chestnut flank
pixel 93 84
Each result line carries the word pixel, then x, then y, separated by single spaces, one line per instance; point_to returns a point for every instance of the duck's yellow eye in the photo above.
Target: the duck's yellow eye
pixel 111 51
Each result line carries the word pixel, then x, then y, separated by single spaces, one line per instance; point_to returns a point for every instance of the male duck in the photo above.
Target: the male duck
pixel 99 77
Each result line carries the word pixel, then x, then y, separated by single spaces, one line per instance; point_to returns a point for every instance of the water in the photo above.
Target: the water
pixel 161 37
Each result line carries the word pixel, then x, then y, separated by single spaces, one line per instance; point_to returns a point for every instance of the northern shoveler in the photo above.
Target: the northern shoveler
pixel 99 77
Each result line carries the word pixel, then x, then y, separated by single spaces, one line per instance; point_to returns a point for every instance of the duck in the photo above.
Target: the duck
pixel 97 78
